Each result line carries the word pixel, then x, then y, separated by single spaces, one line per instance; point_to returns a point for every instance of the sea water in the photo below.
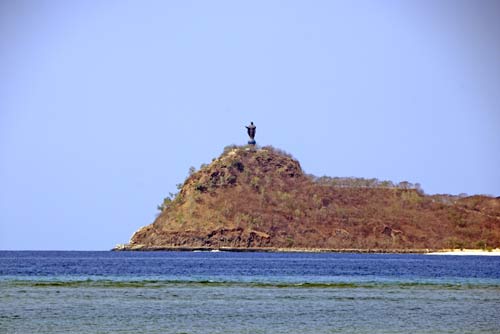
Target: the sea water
pixel 207 292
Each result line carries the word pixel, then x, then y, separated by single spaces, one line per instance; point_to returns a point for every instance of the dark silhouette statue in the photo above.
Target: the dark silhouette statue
pixel 251 133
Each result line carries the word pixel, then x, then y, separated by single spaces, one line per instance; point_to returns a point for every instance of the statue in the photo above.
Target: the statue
pixel 251 133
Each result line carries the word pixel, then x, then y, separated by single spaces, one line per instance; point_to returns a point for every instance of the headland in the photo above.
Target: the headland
pixel 260 199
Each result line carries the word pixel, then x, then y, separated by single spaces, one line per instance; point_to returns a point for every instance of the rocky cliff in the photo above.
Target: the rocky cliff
pixel 253 198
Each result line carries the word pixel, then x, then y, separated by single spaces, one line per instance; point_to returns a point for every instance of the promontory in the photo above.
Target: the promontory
pixel 254 198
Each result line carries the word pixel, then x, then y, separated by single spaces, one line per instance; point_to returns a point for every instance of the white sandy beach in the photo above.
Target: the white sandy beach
pixel 494 252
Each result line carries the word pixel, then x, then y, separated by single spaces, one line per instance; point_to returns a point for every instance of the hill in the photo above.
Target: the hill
pixel 253 198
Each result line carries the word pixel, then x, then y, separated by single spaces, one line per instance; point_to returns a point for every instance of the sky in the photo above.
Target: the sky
pixel 104 105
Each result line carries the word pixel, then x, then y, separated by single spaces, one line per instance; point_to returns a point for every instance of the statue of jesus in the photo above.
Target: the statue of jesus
pixel 251 133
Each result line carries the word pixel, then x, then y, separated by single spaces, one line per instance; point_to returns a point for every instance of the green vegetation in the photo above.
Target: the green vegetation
pixel 359 182
pixel 167 202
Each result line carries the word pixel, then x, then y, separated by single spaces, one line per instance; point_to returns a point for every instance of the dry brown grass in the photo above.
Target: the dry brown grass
pixel 261 198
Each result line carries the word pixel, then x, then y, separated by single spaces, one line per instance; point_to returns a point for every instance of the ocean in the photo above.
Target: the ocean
pixel 227 292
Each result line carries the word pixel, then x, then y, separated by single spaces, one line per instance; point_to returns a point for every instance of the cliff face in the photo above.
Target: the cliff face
pixel 250 198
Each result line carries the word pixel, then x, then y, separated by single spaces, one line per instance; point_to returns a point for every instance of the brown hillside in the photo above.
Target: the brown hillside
pixel 250 198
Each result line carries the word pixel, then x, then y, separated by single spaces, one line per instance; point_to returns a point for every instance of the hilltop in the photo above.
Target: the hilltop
pixel 260 198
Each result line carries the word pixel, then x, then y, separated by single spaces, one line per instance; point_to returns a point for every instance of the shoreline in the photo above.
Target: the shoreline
pixel 469 252
pixel 140 248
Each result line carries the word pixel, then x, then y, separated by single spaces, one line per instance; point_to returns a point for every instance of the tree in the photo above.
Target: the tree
pixel 167 201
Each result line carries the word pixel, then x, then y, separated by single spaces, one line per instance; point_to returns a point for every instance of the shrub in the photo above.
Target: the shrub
pixel 481 244
pixel 255 182
pixel 229 148
pixel 200 187
pixel 238 165
pixel 167 201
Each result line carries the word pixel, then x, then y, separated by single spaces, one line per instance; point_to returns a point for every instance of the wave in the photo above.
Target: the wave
pixel 107 283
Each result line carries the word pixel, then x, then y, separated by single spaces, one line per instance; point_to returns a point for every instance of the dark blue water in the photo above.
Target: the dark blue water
pixel 206 292
pixel 288 267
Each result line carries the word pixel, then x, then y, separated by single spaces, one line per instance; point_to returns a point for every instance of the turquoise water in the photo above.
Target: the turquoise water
pixel 169 292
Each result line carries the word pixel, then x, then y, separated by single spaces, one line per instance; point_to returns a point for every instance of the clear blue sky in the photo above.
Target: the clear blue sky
pixel 104 105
